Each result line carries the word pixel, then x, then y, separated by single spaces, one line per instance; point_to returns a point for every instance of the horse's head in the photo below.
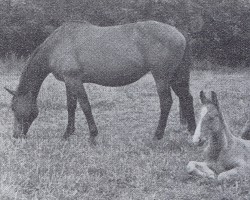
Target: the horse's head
pixel 210 119
pixel 25 111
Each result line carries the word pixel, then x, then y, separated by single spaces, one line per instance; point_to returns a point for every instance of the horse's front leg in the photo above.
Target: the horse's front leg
pixel 71 106
pixel 200 169
pixel 75 86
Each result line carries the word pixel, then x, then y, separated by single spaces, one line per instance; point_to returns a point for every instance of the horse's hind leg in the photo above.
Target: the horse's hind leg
pixel 85 105
pixel 71 106
pixel 77 88
pixel 164 92
pixel 180 85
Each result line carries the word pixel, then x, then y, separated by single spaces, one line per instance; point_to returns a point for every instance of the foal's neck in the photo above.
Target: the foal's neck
pixel 219 140
pixel 228 137
pixel 32 76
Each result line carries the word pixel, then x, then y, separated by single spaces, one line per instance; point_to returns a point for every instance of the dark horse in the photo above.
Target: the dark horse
pixel 79 52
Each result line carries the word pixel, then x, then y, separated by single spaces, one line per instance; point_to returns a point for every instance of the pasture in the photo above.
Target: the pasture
pixel 126 164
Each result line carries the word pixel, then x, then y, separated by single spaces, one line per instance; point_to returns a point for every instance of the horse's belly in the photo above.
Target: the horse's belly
pixel 116 76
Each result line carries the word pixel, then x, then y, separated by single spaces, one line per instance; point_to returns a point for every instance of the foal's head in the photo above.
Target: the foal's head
pixel 210 121
pixel 25 111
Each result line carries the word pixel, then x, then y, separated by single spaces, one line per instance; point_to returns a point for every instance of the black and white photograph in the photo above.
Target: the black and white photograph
pixel 124 100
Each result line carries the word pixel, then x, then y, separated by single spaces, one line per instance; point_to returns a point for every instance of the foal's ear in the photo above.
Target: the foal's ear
pixel 12 92
pixel 214 98
pixel 203 98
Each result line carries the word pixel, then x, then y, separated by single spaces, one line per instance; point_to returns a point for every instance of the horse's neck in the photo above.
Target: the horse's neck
pixel 219 140
pixel 32 78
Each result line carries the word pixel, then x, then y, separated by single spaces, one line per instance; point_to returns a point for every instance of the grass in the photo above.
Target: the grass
pixel 126 164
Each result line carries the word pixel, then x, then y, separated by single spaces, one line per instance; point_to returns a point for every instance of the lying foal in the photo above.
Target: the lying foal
pixel 226 155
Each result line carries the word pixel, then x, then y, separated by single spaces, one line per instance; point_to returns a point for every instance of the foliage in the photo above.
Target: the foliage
pixel 24 24
pixel 225 33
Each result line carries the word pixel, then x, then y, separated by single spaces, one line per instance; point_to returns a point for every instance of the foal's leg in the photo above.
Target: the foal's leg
pixel 231 174
pixel 71 106
pixel 200 169
pixel 77 88
pixel 180 85
pixel 164 92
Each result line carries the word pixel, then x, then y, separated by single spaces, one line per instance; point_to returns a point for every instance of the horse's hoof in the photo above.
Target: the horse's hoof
pixel 66 136
pixel 68 133
pixel 157 137
pixel 92 141
pixel 22 136
pixel 93 133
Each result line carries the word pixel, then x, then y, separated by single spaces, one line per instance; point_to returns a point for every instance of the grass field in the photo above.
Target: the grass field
pixel 126 164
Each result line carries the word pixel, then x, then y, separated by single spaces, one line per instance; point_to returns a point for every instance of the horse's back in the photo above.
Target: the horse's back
pixel 146 33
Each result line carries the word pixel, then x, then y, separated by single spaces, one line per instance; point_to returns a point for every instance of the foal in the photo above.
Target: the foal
pixel 226 155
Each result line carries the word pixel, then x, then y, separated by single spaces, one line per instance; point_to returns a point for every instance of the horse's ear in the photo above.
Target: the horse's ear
pixel 214 98
pixel 10 91
pixel 203 97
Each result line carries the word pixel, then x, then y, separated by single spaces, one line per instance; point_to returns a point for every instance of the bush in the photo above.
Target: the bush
pixel 22 29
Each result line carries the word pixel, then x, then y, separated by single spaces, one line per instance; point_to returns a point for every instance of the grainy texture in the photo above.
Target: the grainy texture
pixel 126 163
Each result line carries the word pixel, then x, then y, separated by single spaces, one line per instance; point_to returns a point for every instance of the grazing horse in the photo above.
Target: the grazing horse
pixel 226 155
pixel 79 52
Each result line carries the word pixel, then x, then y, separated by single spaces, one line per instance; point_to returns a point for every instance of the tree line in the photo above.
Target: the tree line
pixel 219 29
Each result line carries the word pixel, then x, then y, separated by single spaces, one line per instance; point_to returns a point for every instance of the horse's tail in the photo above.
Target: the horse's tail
pixel 182 73
pixel 187 57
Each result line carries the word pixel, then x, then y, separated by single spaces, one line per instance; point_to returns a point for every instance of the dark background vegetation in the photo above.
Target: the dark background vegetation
pixel 224 37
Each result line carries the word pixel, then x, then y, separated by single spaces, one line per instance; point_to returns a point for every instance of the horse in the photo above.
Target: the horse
pixel 226 155
pixel 79 52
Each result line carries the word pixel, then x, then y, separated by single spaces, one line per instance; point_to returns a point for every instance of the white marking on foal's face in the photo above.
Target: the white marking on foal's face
pixel 197 133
